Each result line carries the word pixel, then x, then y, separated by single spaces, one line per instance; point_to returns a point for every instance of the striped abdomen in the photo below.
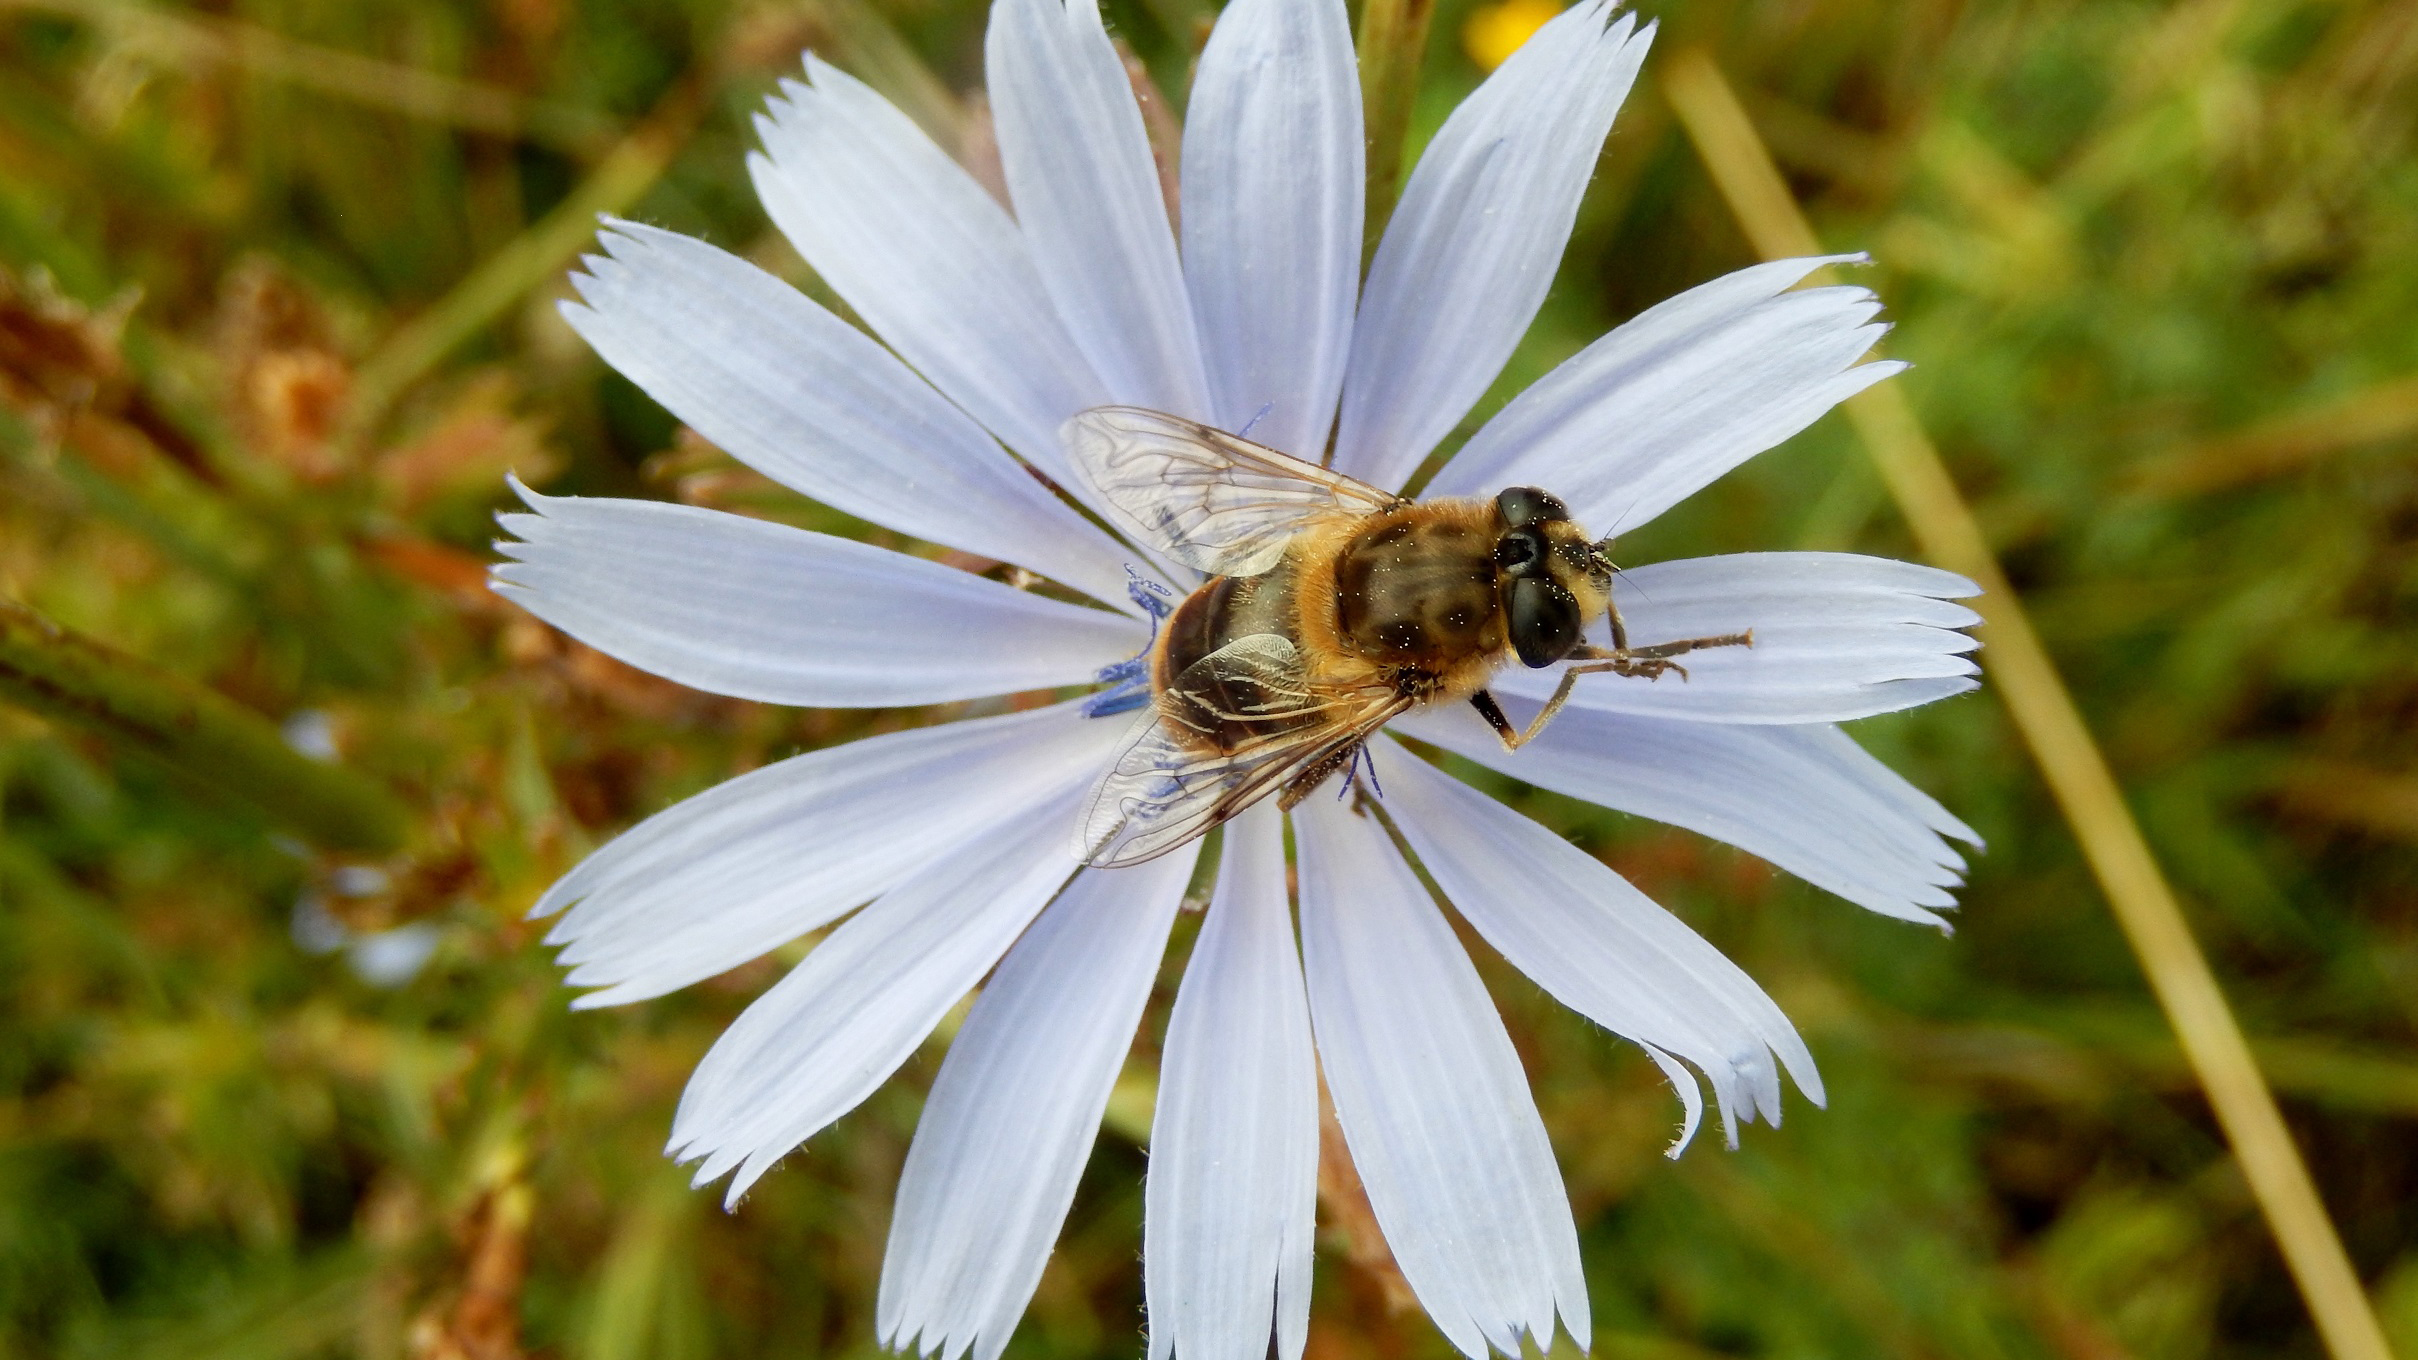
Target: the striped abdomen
pixel 1225 708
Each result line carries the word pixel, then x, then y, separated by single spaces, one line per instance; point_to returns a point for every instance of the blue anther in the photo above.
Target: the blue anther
pixel 1128 681
pixel 1149 595
pixel 1110 702
pixel 1351 773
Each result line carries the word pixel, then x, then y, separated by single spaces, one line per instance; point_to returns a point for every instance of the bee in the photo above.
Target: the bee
pixel 1330 609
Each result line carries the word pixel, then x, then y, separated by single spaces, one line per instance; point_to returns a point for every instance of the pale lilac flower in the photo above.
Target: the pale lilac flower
pixel 988 332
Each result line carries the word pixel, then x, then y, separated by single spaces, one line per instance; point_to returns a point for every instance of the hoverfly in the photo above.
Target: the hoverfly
pixel 1331 608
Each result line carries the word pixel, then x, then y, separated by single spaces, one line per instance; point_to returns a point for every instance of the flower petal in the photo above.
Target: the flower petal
pixel 1232 1196
pixel 1474 244
pixel 1659 407
pixel 1272 216
pixel 929 260
pixel 1600 946
pixel 1012 1114
pixel 1807 799
pixel 825 1036
pixel 1431 1097
pixel 811 401
pixel 1088 199
pixel 1691 1099
pixel 763 611
pixel 709 883
pixel 1837 636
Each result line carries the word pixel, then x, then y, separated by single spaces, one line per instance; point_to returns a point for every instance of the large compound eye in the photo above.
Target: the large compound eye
pixel 1520 553
pixel 1544 620
pixel 1522 506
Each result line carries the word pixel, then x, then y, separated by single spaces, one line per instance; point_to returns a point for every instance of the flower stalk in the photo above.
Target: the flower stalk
pixel 538 254
pixel 1393 44
pixel 68 678
pixel 2070 761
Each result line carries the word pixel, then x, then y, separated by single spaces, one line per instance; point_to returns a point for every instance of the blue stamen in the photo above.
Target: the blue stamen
pixel 1245 431
pixel 1351 773
pixel 1149 595
pixel 1128 681
pixel 1110 702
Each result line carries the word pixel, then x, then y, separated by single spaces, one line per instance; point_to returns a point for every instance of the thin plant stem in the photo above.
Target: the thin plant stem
pixel 2285 444
pixel 528 260
pixel 870 47
pixel 2026 680
pixel 1393 45
pixel 407 90
pixel 193 730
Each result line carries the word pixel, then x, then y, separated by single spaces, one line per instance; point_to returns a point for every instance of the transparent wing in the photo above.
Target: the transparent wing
pixel 1243 720
pixel 1206 498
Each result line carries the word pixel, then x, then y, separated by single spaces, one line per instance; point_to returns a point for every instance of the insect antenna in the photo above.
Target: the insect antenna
pixel 1618 521
pixel 1623 574
pixel 1602 547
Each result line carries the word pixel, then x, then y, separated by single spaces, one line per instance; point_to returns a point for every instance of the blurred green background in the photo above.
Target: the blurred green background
pixel 278 316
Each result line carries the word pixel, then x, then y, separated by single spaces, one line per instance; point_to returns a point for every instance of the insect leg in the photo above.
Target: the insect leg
pixel 1662 649
pixel 1620 630
pixel 1649 662
pixel 1513 741
pixel 1492 712
pixel 1652 662
pixel 1315 773
pixel 1514 738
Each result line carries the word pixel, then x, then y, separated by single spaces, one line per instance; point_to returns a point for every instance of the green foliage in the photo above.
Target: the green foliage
pixel 2155 264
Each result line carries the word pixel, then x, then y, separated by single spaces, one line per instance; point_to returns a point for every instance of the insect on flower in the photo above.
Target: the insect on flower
pixel 1037 856
pixel 1331 609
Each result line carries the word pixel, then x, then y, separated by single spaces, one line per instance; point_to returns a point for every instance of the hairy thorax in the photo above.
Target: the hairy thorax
pixel 1408 599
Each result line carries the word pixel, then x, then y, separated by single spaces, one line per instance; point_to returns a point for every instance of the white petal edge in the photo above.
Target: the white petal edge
pixel 722 877
pixel 814 403
pixel 1837 636
pixel 1806 799
pixel 1596 943
pixel 1011 1118
pixel 762 611
pixel 821 1039
pixel 1273 181
pixel 1471 250
pixel 1230 1205
pixel 929 259
pixel 1665 403
pixel 1691 1099
pixel 1434 1105
pixel 1087 196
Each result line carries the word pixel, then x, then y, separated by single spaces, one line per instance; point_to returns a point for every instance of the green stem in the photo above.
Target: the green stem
pixel 536 256
pixel 1393 44
pixel 193 730
pixel 871 48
